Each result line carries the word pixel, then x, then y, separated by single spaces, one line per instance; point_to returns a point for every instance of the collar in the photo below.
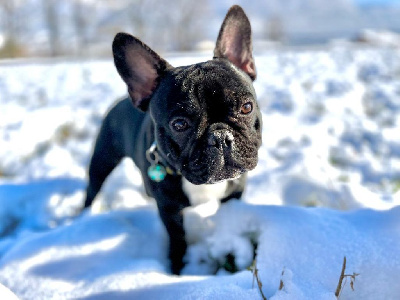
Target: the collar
pixel 158 169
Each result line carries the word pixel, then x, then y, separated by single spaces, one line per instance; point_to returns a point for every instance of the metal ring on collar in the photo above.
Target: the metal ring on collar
pixel 152 154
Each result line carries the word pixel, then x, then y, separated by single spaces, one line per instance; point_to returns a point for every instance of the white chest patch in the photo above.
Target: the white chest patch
pixel 205 201
pixel 200 194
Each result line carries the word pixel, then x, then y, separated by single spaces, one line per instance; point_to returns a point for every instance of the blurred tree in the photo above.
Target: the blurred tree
pixel 85 22
pixel 188 22
pixel 176 25
pixel 79 21
pixel 275 30
pixel 52 25
pixel 11 24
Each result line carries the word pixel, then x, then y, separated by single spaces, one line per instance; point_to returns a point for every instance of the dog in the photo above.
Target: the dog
pixel 186 126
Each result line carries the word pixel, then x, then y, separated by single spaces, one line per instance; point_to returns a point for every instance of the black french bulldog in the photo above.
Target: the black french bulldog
pixel 199 123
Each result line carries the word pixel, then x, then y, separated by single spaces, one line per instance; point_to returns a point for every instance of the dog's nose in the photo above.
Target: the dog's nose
pixel 221 139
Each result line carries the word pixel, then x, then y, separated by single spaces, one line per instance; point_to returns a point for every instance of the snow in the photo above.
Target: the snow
pixel 327 186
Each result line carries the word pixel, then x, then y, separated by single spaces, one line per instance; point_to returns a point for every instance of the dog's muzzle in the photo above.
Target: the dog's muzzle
pixel 221 139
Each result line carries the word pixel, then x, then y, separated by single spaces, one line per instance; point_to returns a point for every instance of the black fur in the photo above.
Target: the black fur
pixel 218 130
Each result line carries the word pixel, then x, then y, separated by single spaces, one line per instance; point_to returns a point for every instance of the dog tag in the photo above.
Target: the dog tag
pixel 156 173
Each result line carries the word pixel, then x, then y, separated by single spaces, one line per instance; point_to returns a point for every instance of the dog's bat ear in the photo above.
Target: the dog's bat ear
pixel 139 66
pixel 234 41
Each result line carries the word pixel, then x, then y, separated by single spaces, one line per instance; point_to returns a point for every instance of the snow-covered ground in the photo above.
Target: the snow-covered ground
pixel 327 186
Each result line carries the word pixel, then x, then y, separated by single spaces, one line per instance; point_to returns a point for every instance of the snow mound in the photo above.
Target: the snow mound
pixel 121 255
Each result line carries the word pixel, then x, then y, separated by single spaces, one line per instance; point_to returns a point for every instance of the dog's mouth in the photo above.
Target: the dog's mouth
pixel 204 178
pixel 214 170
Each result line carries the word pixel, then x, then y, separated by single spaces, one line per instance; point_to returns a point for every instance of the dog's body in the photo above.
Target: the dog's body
pixel 198 124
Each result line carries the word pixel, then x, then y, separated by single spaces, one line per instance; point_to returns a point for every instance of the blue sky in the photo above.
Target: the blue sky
pixel 377 2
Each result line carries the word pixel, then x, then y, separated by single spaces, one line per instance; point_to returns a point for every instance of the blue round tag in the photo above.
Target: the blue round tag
pixel 156 173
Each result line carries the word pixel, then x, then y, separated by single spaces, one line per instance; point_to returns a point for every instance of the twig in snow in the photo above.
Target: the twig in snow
pixel 344 276
pixel 281 284
pixel 254 270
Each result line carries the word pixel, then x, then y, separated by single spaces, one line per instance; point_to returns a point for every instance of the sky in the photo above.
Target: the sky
pixel 377 2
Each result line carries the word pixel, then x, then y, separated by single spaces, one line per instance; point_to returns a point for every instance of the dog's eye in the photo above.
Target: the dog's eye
pixel 179 125
pixel 246 108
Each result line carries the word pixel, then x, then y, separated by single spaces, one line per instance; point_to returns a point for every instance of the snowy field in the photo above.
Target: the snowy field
pixel 327 186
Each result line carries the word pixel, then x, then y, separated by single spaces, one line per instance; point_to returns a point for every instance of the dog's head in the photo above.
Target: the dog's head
pixel 206 118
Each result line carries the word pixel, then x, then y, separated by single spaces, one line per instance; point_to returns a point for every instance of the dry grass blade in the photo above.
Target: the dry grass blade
pixel 344 276
pixel 281 284
pixel 339 286
pixel 254 270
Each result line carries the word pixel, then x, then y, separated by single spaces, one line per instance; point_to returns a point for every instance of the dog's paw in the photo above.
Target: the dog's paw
pixel 198 261
pixel 217 243
pixel 232 253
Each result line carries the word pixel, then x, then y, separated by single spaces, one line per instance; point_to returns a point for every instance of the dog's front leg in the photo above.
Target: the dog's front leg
pixel 172 218
pixel 171 200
